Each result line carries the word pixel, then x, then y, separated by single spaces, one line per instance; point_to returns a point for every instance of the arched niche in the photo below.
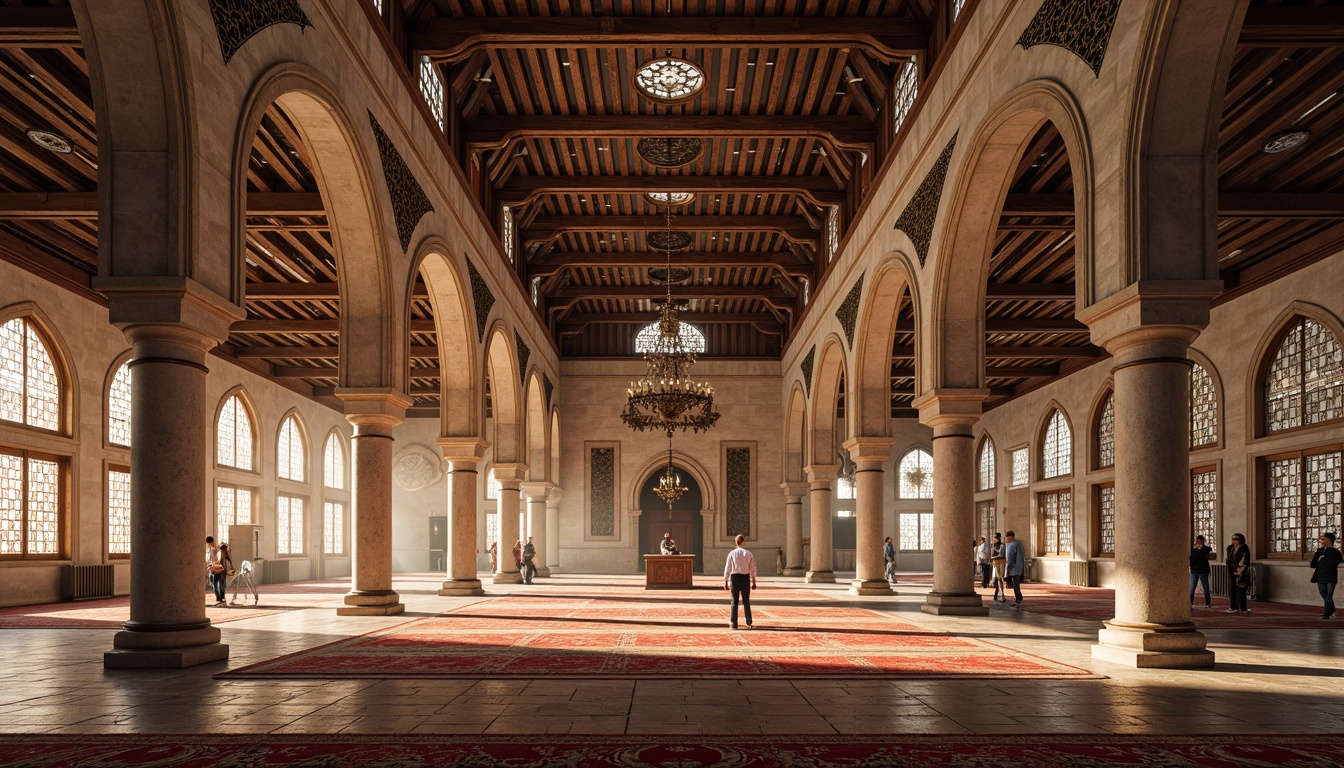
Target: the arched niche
pixel 893 286
pixel 461 398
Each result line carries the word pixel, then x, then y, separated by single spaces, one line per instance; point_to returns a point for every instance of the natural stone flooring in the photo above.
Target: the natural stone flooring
pixel 1266 681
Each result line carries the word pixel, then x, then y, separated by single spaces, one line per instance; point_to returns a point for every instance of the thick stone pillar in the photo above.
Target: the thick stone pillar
pixel 374 412
pixel 951 414
pixel 464 457
pixel 822 569
pixel 536 494
pixel 171 498
pixel 553 529
pixel 1148 332
pixel 510 477
pixel 793 528
pixel 868 454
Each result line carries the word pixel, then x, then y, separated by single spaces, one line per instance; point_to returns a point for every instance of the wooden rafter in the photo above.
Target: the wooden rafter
pixel 819 190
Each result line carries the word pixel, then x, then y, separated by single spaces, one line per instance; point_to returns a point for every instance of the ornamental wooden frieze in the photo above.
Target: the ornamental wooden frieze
pixel 848 313
pixel 549 386
pixel 481 297
pixel 917 220
pixel 806 367
pixel 409 201
pixel 236 21
pixel 524 354
pixel 1082 27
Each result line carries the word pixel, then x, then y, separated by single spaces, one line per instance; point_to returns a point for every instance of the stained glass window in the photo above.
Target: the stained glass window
pixel 669 79
pixel 691 338
pixel 1305 381
pixel 1106 433
pixel 119 407
pixel 233 435
pixel 988 477
pixel 431 87
pixel 1106 519
pixel 333 463
pixel 987 516
pixel 118 512
pixel 1057 447
pixel 1056 516
pixel 904 92
pixel 333 527
pixel 30 505
pixel 916 475
pixel 233 506
pixel 290 457
pixel 289 525
pixel 30 390
pixel 1204 507
pixel 1323 503
pixel 1203 408
pixel 916 531
pixel 1021 467
pixel 1285 506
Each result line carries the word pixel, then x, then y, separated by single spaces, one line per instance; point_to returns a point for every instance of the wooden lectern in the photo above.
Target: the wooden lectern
pixel 668 571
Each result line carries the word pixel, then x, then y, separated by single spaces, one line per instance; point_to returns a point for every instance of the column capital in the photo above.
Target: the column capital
pixel 535 490
pixel 373 410
pixel 869 452
pixel 1162 315
pixel 168 302
pixel 951 411
pixel 463 450
pixel 510 476
pixel 821 473
pixel 553 498
pixel 794 491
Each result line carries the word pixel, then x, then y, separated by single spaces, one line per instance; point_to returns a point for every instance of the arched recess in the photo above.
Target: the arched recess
pixel 1096 428
pixel 1264 356
pixel 373 352
pixel 555 445
pixel 953 341
pixel 59 353
pixel 824 443
pixel 795 436
pixel 505 398
pixel 657 462
pixel 1219 415
pixel 461 400
pixel 893 286
pixel 535 429
pixel 986 464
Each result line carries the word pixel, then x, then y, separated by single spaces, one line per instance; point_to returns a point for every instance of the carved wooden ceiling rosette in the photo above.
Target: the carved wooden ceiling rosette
pixel 1082 27
pixel 236 21
pixel 806 367
pixel 524 354
pixel 848 313
pixel 481 297
pixel 917 220
pixel 409 201
pixel 669 241
pixel 549 386
pixel 670 151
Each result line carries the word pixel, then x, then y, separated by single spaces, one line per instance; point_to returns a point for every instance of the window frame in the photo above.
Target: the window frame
pixel 900 479
pixel 122 361
pixel 65 418
pixel 254 511
pixel 920 516
pixel 1094 443
pixel 1261 428
pixel 1262 512
pixel 63 496
pixel 301 432
pixel 1025 450
pixel 1041 527
pixel 1218 415
pixel 306 501
pixel 1215 467
pixel 338 437
pixel 108 469
pixel 246 404
pixel 986 442
pixel 344 550
pixel 1095 493
pixel 1044 430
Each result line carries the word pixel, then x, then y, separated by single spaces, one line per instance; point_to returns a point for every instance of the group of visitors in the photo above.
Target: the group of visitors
pixel 1000 564
pixel 524 555
pixel 219 573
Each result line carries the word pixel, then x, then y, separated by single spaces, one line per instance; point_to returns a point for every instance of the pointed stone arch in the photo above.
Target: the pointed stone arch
pixel 501 365
pixel 795 436
pixel 832 372
pixel 305 442
pixel 657 462
pixel 536 429
pixel 461 400
pixel 893 279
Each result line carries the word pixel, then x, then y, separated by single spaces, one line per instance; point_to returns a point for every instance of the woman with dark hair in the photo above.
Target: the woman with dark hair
pixel 1238 573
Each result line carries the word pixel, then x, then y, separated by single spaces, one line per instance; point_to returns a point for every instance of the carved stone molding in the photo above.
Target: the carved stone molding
pixel 417 468
pixel 409 201
pixel 236 21
pixel 481 297
pixel 1082 27
pixel 806 367
pixel 549 386
pixel 524 354
pixel 848 313
pixel 917 220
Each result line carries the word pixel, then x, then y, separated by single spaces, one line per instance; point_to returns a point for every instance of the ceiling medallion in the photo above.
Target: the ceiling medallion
pixel 51 140
pixel 669 275
pixel 1282 142
pixel 670 241
pixel 669 198
pixel 669 79
pixel 670 151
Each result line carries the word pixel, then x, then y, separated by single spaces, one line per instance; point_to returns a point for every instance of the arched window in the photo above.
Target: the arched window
pixel 30 388
pixel 1305 381
pixel 492 485
pixel 691 338
pixel 119 407
pixel 1203 408
pixel 1057 447
pixel 233 435
pixel 1105 434
pixel 916 475
pixel 291 459
pixel 988 478
pixel 844 491
pixel 333 463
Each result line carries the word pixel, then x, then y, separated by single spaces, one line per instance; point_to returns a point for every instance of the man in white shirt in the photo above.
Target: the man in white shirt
pixel 982 559
pixel 739 576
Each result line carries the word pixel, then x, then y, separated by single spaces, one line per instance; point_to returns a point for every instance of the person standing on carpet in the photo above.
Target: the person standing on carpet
pixel 1199 571
pixel 1238 573
pixel 739 576
pixel 889 555
pixel 982 559
pixel 1325 572
pixel 999 561
pixel 1015 563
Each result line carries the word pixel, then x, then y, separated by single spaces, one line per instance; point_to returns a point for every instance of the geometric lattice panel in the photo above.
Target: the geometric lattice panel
pixel 1082 27
pixel 236 21
pixel 918 218
pixel 602 492
pixel 738 485
pixel 409 201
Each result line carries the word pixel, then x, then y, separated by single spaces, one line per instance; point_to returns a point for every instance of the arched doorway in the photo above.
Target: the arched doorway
pixel 682 520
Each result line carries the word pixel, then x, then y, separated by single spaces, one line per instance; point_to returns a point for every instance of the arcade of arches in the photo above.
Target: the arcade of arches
pixel 357 286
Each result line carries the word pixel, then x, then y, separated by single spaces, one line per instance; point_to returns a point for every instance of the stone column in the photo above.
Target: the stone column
pixel 510 477
pixel 952 414
pixel 536 494
pixel 374 412
pixel 868 454
pixel 170 482
pixel 1148 337
pixel 553 529
pixel 463 456
pixel 793 528
pixel 822 570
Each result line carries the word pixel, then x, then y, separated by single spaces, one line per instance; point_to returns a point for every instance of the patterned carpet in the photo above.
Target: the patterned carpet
pixel 1096 604
pixel 180 751
pixel 627 633
pixel 112 612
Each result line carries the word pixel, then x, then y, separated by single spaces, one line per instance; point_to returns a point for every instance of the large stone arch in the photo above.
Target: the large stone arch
pixel 877 331
pixel 535 429
pixel 795 436
pixel 373 352
pixel 501 366
pixel 953 341
pixel 461 402
pixel 656 463
pixel 823 443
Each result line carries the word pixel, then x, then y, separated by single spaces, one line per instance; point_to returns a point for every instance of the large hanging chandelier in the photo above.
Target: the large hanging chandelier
pixel 667 398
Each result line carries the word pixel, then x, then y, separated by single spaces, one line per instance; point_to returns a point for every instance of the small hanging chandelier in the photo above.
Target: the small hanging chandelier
pixel 669 487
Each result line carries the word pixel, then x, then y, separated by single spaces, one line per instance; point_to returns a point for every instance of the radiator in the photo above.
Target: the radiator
pixel 87 582
pixel 1259 589
pixel 1083 573
pixel 274 571
pixel 1218 583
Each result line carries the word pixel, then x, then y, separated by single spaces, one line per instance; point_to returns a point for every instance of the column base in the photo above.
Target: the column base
pixel 946 604
pixel 1152 646
pixel 820 577
pixel 543 571
pixel 794 571
pixel 461 588
pixel 507 578
pixel 869 587
pixel 371 604
pixel 165 650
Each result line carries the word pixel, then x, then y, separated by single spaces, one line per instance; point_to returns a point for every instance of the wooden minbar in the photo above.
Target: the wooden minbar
pixel 668 571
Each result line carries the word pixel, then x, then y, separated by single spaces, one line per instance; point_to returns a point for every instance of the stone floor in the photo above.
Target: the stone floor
pixel 1266 681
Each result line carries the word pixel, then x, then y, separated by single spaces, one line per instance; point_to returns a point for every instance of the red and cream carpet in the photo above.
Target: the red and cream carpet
pixel 113 612
pixel 616 632
pixel 405 751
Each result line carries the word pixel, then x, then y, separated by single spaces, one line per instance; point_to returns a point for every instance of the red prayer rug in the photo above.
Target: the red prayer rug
pixel 914 751
pixel 1097 604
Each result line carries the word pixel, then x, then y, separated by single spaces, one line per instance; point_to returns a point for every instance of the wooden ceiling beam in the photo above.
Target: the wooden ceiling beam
pixel 321 352
pixel 547 227
pixel 819 190
pixel 307 291
pixel 452 38
pixel 903 371
pixel 309 327
pixel 1028 292
pixel 558 262
pixel 1231 205
pixel 494 131
pixel 301 372
pixel 1280 27
pixel 84 205
pixel 1015 325
pixel 577 323
pixel 573 293
pixel 38 28
pixel 1013 353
